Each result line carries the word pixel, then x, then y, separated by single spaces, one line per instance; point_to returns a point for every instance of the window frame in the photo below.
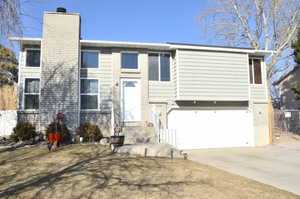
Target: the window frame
pixel 159 69
pixel 25 58
pixel 253 72
pixel 99 59
pixel 24 86
pixel 98 94
pixel 130 69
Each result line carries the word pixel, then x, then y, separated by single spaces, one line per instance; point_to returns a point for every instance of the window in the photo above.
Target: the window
pixel 255 71
pixel 33 58
pixel 159 67
pixel 89 59
pixel 129 61
pixel 31 93
pixel 89 93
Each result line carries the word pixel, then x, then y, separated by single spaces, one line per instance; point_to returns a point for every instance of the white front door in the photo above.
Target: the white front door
pixel 131 100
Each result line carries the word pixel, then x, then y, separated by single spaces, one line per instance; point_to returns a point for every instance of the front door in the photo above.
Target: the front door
pixel 131 100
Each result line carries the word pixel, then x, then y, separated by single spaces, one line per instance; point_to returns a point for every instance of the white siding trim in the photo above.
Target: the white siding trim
pixel 177 74
pixel 265 76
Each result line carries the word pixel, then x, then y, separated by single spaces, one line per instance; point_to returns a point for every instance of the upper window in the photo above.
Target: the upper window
pixel 89 59
pixel 33 58
pixel 89 93
pixel 255 71
pixel 31 93
pixel 129 61
pixel 159 67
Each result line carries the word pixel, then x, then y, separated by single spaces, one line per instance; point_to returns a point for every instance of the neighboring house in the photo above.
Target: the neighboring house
pixel 286 95
pixel 210 96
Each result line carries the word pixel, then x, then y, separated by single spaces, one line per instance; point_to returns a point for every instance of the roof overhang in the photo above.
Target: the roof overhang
pixel 26 40
pixel 118 44
pixel 151 46
pixel 221 49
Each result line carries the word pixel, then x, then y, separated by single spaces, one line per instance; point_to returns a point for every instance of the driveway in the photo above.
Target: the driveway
pixel 276 165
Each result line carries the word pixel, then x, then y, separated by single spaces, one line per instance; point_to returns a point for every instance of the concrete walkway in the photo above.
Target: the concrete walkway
pixel 278 165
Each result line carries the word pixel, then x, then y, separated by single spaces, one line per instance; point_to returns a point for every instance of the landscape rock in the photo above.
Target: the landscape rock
pixel 153 150
pixel 139 135
pixel 104 141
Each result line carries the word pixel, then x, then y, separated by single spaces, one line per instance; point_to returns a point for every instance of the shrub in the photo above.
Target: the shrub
pixel 89 132
pixel 23 132
pixel 62 128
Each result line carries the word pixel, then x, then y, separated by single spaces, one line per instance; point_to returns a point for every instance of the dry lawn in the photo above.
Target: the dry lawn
pixel 92 171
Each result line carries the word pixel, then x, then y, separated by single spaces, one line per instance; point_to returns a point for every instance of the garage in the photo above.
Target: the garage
pixel 196 129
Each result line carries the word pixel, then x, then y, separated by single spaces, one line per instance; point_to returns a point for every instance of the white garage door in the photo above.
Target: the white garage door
pixel 197 129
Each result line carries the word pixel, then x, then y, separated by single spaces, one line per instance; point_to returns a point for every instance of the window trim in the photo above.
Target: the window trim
pixel 98 95
pixel 99 59
pixel 253 74
pixel 23 93
pixel 130 69
pixel 25 58
pixel 170 60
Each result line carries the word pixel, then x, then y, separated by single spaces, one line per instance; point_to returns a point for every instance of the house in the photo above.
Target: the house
pixel 211 96
pixel 286 95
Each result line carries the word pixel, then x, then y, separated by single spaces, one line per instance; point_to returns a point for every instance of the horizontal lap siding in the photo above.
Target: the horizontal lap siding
pixel 161 91
pixel 258 93
pixel 212 76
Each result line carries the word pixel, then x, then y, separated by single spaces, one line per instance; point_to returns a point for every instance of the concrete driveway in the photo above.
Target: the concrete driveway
pixel 278 165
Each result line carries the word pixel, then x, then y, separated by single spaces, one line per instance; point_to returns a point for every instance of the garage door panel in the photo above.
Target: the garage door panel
pixel 211 129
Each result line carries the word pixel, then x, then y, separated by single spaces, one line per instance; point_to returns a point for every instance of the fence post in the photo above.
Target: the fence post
pixel 145 154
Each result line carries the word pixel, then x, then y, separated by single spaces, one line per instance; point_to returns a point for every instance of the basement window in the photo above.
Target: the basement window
pixel 31 93
pixel 33 57
pixel 159 66
pixel 255 71
pixel 89 93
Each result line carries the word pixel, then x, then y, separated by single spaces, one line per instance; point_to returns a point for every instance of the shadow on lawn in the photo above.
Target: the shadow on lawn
pixel 116 176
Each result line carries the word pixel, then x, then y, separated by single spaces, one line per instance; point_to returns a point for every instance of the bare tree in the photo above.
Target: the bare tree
pixel 260 24
pixel 10 18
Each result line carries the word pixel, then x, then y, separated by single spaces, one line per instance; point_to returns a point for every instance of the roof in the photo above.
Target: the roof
pixel 99 43
pixel 27 40
pixel 282 78
pixel 153 46
pixel 214 46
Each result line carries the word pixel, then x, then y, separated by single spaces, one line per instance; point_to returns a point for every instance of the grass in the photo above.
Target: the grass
pixel 92 171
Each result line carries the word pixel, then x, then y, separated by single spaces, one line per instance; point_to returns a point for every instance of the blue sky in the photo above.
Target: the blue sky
pixel 126 20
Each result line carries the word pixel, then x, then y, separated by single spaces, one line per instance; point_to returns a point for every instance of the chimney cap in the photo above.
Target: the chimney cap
pixel 61 9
